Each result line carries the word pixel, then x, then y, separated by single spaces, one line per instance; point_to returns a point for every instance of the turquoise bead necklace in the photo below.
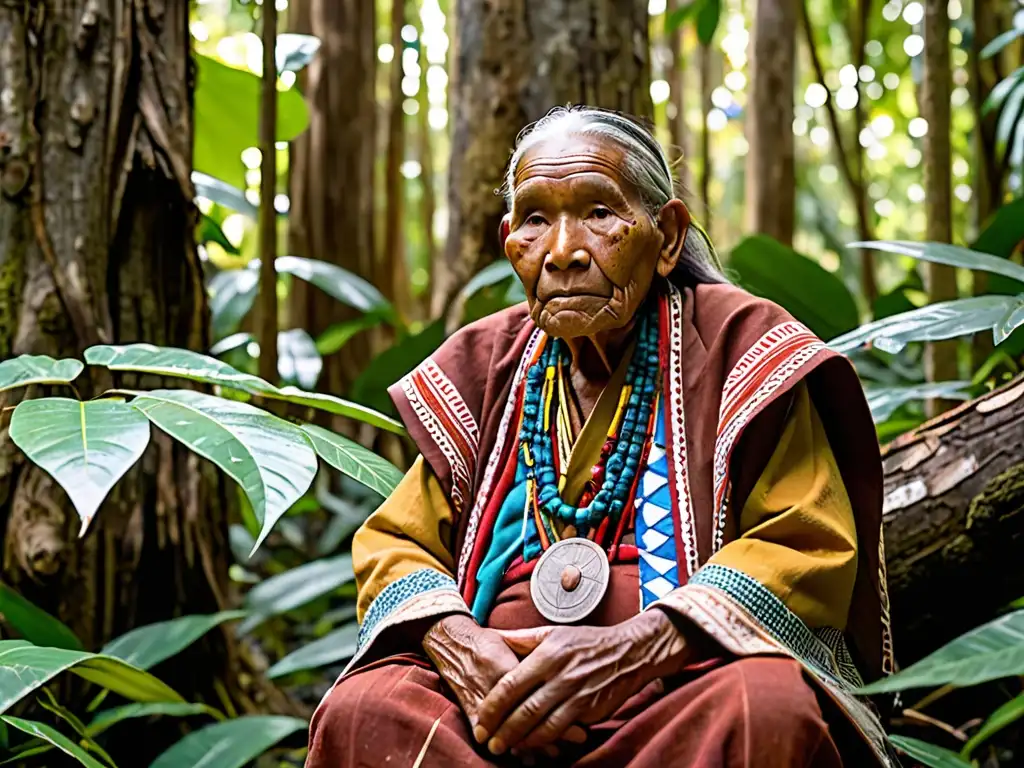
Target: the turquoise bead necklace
pixel 622 462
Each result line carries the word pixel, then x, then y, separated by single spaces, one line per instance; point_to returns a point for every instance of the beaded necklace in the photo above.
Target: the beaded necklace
pixel 545 432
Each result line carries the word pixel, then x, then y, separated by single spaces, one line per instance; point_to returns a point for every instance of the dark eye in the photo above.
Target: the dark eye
pixel 600 213
pixel 535 219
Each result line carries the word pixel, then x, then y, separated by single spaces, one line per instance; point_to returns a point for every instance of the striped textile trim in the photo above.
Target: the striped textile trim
pixel 491 471
pixel 755 378
pixel 677 431
pixel 449 422
pixel 888 658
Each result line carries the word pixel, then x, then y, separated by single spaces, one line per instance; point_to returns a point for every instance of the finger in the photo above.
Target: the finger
pixel 526 716
pixel 555 726
pixel 513 687
pixel 576 734
pixel 524 641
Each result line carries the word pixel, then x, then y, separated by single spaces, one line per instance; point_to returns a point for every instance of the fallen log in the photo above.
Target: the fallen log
pixel 954 521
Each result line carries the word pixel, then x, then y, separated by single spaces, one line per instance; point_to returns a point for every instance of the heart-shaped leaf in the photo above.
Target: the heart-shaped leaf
pixel 354 460
pixel 989 652
pixel 292 52
pixel 812 294
pixel 227 118
pixel 37 369
pixel 146 646
pixel 25 668
pixel 231 744
pixel 56 738
pixel 296 587
pixel 85 446
pixel 35 624
pixel 339 645
pixel 239 438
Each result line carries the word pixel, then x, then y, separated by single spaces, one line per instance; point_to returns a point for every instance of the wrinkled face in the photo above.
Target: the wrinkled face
pixel 580 240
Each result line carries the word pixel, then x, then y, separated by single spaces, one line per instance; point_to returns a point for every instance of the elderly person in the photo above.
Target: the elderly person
pixel 644 527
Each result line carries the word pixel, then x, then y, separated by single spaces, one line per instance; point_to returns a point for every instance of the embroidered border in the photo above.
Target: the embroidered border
pixel 762 370
pixel 888 657
pixel 492 462
pixel 677 431
pixel 447 419
pixel 731 625
pixel 773 616
pixel 399 591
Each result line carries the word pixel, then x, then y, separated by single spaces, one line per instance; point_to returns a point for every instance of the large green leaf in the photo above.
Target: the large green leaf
pixel 354 460
pixel 37 369
pixel 85 446
pixel 231 744
pixel 148 645
pixel 170 361
pixel 34 624
pixel 340 284
pixel 1007 714
pixel 812 294
pixel 951 255
pixel 676 17
pixel 707 20
pixel 24 668
pixel 945 320
pixel 1002 236
pixel 111 717
pixel 298 361
pixel 227 118
pixel 1006 126
pixel 492 274
pixel 371 387
pixel 339 645
pixel 988 652
pixel 339 334
pixel 929 754
pixel 239 437
pixel 883 401
pixel 56 738
pixel 296 587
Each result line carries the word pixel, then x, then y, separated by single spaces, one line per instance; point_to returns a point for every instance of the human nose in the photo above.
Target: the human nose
pixel 566 252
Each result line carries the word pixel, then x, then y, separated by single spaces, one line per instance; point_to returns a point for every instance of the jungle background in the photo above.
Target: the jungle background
pixel 292 206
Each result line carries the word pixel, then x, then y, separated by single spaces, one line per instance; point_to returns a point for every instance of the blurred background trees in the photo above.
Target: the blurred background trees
pixel 798 128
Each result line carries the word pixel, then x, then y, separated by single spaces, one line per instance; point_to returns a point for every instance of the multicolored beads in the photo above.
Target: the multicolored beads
pixel 622 453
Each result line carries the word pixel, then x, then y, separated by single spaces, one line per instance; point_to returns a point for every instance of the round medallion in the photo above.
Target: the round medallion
pixel 569 580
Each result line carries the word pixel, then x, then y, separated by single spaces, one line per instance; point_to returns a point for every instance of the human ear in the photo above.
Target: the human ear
pixel 504 229
pixel 674 223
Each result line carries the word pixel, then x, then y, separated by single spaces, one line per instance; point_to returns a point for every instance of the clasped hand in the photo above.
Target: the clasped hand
pixel 527 689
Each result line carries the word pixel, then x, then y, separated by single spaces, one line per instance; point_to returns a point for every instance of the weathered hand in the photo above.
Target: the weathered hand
pixel 575 675
pixel 470 658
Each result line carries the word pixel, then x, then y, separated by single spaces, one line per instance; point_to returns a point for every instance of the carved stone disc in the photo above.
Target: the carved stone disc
pixel 569 580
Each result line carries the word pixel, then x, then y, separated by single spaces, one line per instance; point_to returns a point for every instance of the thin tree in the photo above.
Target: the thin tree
pixel 934 107
pixel 514 60
pixel 770 172
pixel 332 169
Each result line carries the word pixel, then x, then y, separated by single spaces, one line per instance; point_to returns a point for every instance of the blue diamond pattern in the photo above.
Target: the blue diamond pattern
pixel 654 512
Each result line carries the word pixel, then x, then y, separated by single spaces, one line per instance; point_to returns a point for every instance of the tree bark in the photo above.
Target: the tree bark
pixel 268 191
pixel 96 245
pixel 680 149
pixel 393 276
pixel 331 170
pixel 940 362
pixel 514 61
pixel 770 172
pixel 954 521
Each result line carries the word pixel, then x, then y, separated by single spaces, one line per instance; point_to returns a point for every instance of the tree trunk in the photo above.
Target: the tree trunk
pixel 954 521
pixel 96 245
pixel 514 61
pixel 770 172
pixel 331 171
pixel 680 144
pixel 940 361
pixel 393 276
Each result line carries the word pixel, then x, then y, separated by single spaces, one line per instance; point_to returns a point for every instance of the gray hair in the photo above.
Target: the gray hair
pixel 646 169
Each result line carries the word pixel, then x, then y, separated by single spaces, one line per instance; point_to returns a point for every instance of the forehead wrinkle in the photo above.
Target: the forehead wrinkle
pixel 561 166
